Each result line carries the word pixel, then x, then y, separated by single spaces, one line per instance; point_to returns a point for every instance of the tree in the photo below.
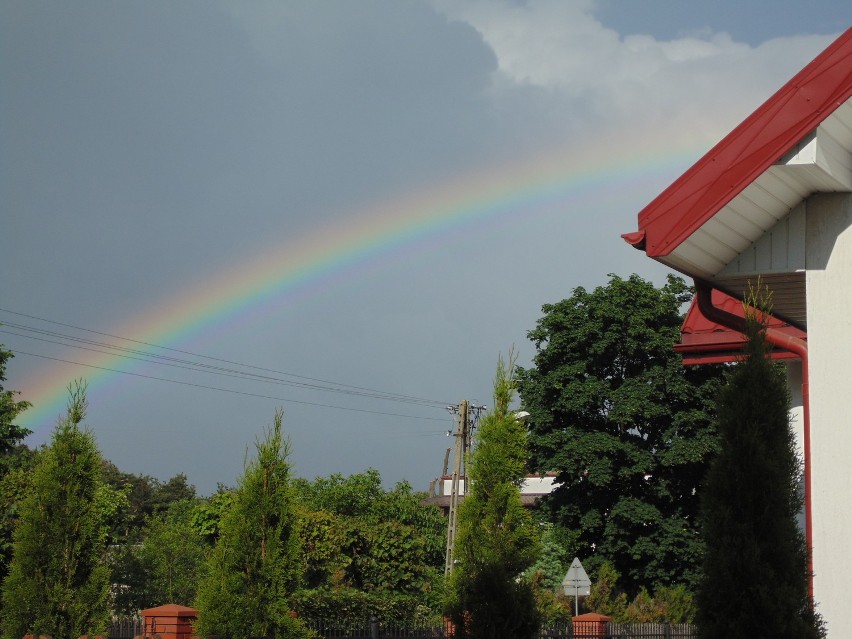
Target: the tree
pixel 208 513
pixel 14 484
pixel 497 538
pixel 10 433
pixel 755 581
pixel 361 496
pixel 255 566
pixel 15 462
pixel 362 543
pixel 357 495
pixel 625 425
pixel 173 555
pixel 175 490
pixel 58 584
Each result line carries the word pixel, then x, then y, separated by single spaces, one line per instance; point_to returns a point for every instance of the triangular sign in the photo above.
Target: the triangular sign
pixel 576 579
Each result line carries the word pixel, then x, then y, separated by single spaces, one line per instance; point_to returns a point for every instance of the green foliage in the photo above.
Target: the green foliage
pixel 255 566
pixel 173 556
pixel 496 538
pixel 207 514
pixel 357 535
pixel 14 485
pixel 604 596
pixel 166 494
pixel 358 495
pixel 362 496
pixel 130 586
pixel 350 607
pixel 15 460
pixel 676 603
pixel 643 608
pixel 755 570
pixel 146 496
pixel 10 433
pixel 625 425
pixel 553 560
pixel 324 540
pixel 405 505
pixel 153 524
pixel 668 604
pixel 392 558
pixel 58 583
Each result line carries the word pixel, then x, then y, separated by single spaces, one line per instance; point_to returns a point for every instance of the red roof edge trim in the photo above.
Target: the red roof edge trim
pixel 637 239
pixel 738 159
pixel 732 357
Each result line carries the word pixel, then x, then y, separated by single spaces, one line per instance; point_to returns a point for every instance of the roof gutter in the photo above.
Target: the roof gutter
pixel 800 348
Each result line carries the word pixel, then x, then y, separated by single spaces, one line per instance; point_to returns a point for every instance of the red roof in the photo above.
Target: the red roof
pixel 729 167
pixel 703 341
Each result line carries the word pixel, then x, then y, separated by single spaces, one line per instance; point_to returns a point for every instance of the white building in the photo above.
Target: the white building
pixel 533 488
pixel 774 199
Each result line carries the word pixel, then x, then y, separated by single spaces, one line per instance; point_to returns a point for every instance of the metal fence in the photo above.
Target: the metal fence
pixel 651 631
pixel 564 630
pixel 130 627
pixel 125 628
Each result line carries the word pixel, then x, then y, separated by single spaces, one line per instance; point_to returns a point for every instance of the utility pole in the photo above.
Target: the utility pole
pixel 462 434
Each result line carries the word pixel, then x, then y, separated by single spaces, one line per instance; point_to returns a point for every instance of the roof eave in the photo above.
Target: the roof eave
pixel 737 160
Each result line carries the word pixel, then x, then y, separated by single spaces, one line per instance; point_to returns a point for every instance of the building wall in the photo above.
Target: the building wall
pixel 829 303
pixel 797 418
pixel 533 485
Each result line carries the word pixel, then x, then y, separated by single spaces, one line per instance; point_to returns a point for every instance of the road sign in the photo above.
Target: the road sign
pixel 576 582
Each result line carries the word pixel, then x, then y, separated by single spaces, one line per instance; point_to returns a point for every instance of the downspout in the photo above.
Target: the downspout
pixel 799 347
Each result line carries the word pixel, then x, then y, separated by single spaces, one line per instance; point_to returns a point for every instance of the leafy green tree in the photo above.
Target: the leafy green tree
pixel 146 500
pixel 58 583
pixel 497 538
pixel 146 496
pixel 255 567
pixel 166 494
pixel 357 495
pixel 626 426
pixel 165 567
pixel 755 580
pixel 208 513
pixel 359 538
pixel 405 505
pixel 173 555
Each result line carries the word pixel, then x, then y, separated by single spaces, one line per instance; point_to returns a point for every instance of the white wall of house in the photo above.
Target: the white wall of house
pixel 829 309
pixel 533 485
pixel 797 417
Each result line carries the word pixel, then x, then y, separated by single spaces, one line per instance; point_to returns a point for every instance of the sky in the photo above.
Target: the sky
pixel 346 210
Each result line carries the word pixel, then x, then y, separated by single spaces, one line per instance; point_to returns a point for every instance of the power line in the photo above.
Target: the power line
pixel 228 390
pixel 205 368
pixel 369 392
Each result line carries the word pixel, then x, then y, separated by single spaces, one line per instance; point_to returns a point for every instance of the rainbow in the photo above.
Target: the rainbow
pixel 316 259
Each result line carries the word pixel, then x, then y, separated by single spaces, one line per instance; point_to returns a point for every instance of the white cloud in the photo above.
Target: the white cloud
pixel 594 76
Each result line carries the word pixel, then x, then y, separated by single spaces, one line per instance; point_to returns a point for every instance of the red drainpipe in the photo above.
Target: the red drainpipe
pixel 800 348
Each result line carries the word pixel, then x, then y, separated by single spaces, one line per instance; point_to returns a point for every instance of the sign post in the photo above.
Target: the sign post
pixel 577 579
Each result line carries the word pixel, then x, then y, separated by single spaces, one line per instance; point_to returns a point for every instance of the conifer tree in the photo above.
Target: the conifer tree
pixel 58 583
pixel 755 579
pixel 256 565
pixel 497 539
pixel 10 433
pixel 14 459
